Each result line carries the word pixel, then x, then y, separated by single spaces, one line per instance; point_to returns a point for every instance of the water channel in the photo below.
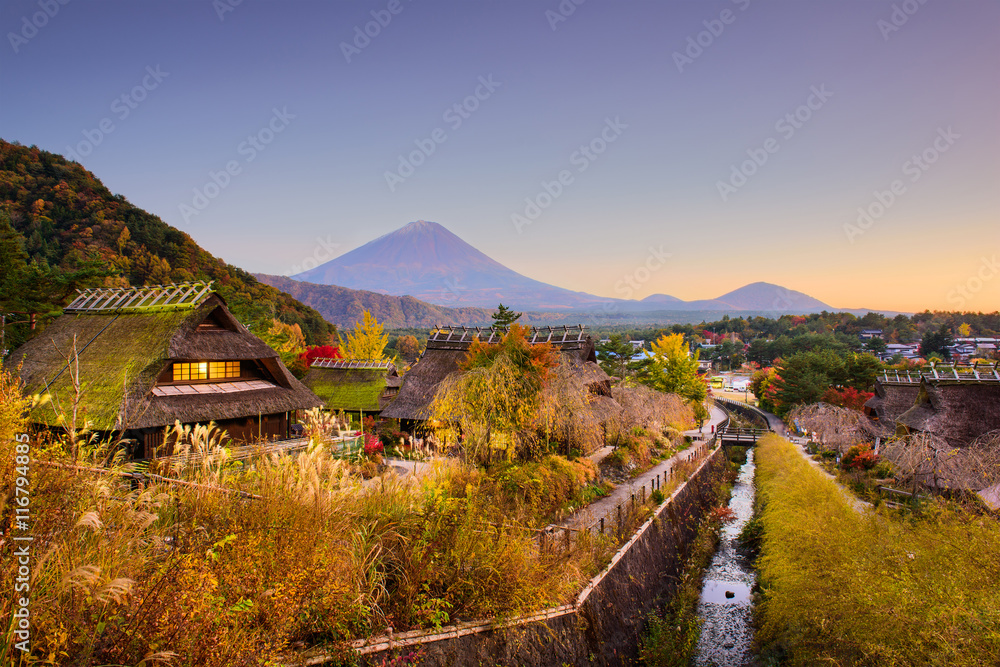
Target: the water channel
pixel 725 607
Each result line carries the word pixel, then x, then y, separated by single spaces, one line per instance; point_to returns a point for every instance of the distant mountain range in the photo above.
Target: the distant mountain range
pixel 426 261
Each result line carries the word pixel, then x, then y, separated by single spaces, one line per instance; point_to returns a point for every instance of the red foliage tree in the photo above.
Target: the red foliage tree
pixel 320 352
pixel 848 397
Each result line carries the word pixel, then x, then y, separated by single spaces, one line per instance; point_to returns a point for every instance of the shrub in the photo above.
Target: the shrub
pixel 859 457
pixel 373 444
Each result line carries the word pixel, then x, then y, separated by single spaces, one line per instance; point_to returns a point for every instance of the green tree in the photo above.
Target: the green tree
pixel 804 378
pixel 504 317
pixel 669 368
pixel 936 342
pixel 615 356
pixel 367 341
pixel 876 346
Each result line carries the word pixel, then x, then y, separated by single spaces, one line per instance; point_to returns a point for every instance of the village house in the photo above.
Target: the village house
pixel 356 386
pixel 954 404
pixel 131 362
pixel 895 393
pixel 448 346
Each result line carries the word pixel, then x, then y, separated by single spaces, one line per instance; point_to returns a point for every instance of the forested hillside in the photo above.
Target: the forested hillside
pixel 62 230
pixel 344 306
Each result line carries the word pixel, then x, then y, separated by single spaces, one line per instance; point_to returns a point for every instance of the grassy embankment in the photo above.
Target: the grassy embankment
pixel 876 588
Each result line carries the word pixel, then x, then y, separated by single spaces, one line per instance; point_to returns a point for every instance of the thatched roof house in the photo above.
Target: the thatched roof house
pixel 150 356
pixel 954 404
pixel 447 347
pixel 353 385
pixel 957 412
pixel 895 393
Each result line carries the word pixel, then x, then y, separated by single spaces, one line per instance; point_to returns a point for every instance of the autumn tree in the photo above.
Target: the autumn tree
pixel 669 368
pixel 367 341
pixel 287 340
pixel 408 347
pixel 494 401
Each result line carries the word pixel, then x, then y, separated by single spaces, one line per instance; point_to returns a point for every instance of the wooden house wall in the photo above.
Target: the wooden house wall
pixel 151 442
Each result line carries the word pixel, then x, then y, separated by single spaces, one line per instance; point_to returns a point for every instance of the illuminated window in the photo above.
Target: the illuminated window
pixel 205 370
pixel 223 369
pixel 184 372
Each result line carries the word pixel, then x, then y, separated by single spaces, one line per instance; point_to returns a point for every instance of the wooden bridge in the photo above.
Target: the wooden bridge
pixel 743 436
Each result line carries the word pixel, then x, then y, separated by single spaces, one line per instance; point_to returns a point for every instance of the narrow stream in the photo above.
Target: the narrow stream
pixel 725 608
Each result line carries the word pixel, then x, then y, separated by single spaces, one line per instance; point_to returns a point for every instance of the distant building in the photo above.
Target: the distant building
pixel 868 334
pixel 904 350
pixel 152 356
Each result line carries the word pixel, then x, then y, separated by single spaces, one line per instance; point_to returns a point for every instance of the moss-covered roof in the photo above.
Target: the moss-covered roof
pixel 116 356
pixel 348 389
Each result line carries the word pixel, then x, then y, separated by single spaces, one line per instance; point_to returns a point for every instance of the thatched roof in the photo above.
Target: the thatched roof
pixel 121 352
pixel 447 347
pixel 955 411
pixel 837 428
pixel 891 399
pixel 352 385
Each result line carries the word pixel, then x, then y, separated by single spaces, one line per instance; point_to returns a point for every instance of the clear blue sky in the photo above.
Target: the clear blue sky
pixel 673 129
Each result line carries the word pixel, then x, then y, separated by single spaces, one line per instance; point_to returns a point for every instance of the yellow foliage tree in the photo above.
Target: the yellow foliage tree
pixel 964 330
pixel 669 368
pixel 367 341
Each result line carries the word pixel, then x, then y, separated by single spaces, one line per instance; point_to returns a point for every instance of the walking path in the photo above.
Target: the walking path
pixel 607 507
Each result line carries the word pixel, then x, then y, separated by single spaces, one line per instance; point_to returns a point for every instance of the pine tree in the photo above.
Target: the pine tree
pixel 504 317
pixel 615 355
